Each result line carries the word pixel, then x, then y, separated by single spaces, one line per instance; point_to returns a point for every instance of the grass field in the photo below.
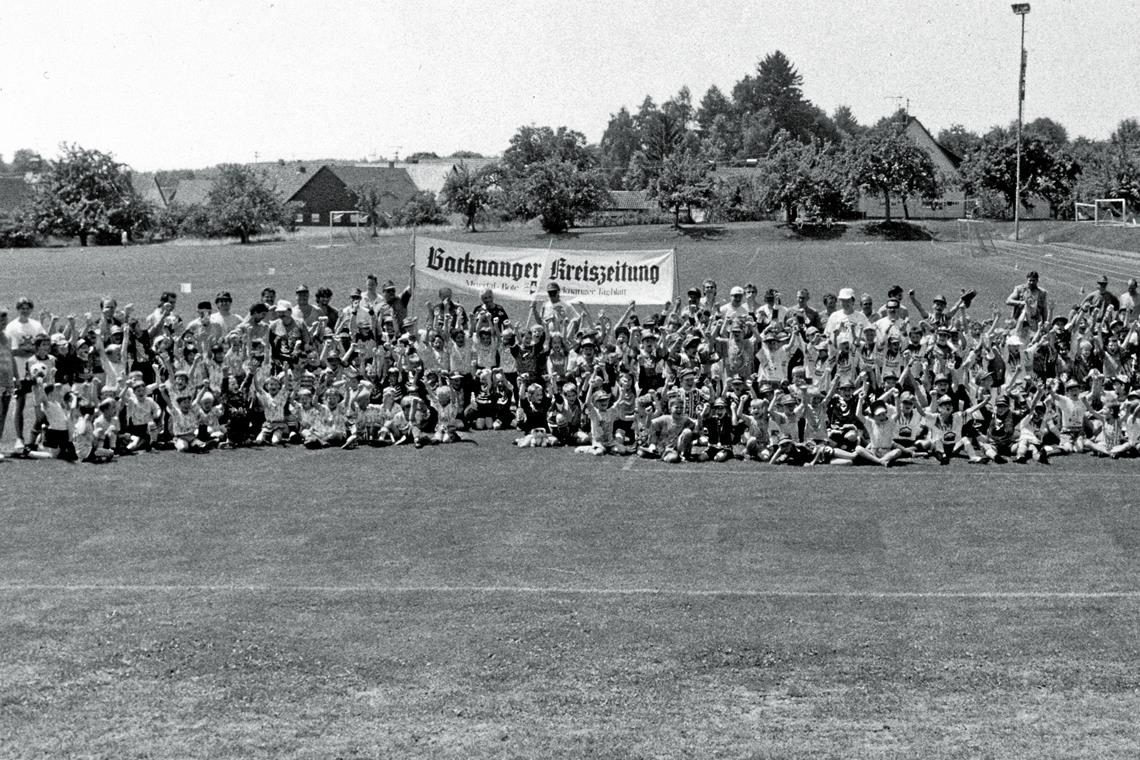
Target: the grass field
pixel 479 601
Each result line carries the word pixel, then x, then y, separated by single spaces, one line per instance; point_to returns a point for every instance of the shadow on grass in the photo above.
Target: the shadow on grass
pixel 815 230
pixel 701 231
pixel 895 230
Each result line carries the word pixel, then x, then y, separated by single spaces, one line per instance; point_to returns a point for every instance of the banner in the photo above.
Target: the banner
pixel 520 274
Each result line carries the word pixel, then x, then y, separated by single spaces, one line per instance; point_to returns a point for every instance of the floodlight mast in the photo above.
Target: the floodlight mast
pixel 1020 9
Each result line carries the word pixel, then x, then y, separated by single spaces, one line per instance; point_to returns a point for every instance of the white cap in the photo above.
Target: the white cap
pixel 846 294
pixel 284 305
pixel 736 291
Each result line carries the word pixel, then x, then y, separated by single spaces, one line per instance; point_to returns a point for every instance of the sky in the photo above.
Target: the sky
pixel 190 84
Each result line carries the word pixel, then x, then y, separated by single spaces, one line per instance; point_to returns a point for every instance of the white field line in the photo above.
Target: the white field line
pixel 176 588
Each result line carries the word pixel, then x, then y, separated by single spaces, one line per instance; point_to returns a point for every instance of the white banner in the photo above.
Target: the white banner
pixel 520 274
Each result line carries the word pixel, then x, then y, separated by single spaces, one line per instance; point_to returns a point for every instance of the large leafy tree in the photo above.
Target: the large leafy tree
pixel 467 191
pixel 86 192
pixel 683 183
pixel 243 202
pixel 809 176
pixel 1049 173
pixel 887 163
pixel 532 145
pixel 557 192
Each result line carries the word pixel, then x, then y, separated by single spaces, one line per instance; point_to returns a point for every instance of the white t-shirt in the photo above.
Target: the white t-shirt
pixel 20 335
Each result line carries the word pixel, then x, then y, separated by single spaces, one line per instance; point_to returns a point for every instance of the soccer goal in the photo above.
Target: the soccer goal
pixel 1102 211
pixel 976 238
pixel 349 221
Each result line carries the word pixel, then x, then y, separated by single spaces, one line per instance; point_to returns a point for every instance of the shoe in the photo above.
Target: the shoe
pixel 943 459
pixel 1042 457
pixel 1022 459
pixel 968 297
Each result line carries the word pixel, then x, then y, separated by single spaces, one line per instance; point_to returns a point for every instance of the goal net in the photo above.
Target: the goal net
pixel 1102 211
pixel 347 223
pixel 976 238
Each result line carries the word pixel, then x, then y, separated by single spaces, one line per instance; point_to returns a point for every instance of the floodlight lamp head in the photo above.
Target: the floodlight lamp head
pixel 1020 9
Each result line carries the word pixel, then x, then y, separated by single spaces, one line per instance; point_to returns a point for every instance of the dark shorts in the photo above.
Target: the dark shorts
pixel 55 439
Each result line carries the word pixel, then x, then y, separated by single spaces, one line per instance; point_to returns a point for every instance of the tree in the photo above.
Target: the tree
pixel 243 201
pixel 683 183
pixel 1045 172
pixel 419 210
pixel 25 160
pixel 368 197
pixel 959 140
pixel 811 176
pixel 468 192
pixel 465 154
pixel 532 145
pixel 846 124
pixel 619 142
pixel 86 192
pixel 777 89
pixel 422 155
pixel 1046 130
pixel 713 105
pixel 557 192
pixel 886 162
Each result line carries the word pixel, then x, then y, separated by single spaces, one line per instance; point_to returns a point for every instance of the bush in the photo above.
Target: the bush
pixel 15 232
pixel 896 230
pixel 421 209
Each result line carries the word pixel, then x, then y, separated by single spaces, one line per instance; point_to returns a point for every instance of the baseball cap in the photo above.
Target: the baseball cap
pixel 736 290
pixel 893 303
pixel 284 305
pixel 204 305
pixel 355 293
pixel 302 288
pixel 940 299
pixel 1103 280
pixel 846 294
pixel 389 285
pixel 693 292
pixel 552 287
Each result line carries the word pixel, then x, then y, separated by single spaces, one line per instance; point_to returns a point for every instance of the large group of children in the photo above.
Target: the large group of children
pixel 705 378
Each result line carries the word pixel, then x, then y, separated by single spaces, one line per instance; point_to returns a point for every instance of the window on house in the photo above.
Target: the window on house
pixel 315 218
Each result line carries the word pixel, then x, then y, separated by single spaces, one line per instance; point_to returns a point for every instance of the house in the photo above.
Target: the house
pixel 146 186
pixel 950 205
pixel 430 175
pixel 328 189
pixel 190 192
pixel 14 193
pixel 630 207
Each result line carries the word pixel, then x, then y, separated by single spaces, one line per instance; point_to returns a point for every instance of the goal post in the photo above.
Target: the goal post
pixel 976 238
pixel 1112 211
pixel 350 219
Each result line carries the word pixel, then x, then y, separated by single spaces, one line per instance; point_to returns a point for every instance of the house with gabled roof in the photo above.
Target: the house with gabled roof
pixel 14 193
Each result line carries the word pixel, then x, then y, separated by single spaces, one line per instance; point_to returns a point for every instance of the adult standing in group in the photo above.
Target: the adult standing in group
pixel 804 312
pixel 166 303
pixel 395 306
pixel 1031 299
pixel 1101 299
pixel 224 318
pixel 555 314
pixel 1128 299
pixel 448 313
pixel 371 298
pixel 735 306
pixel 304 311
pixel 21 334
pixel 846 319
pixel 487 305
